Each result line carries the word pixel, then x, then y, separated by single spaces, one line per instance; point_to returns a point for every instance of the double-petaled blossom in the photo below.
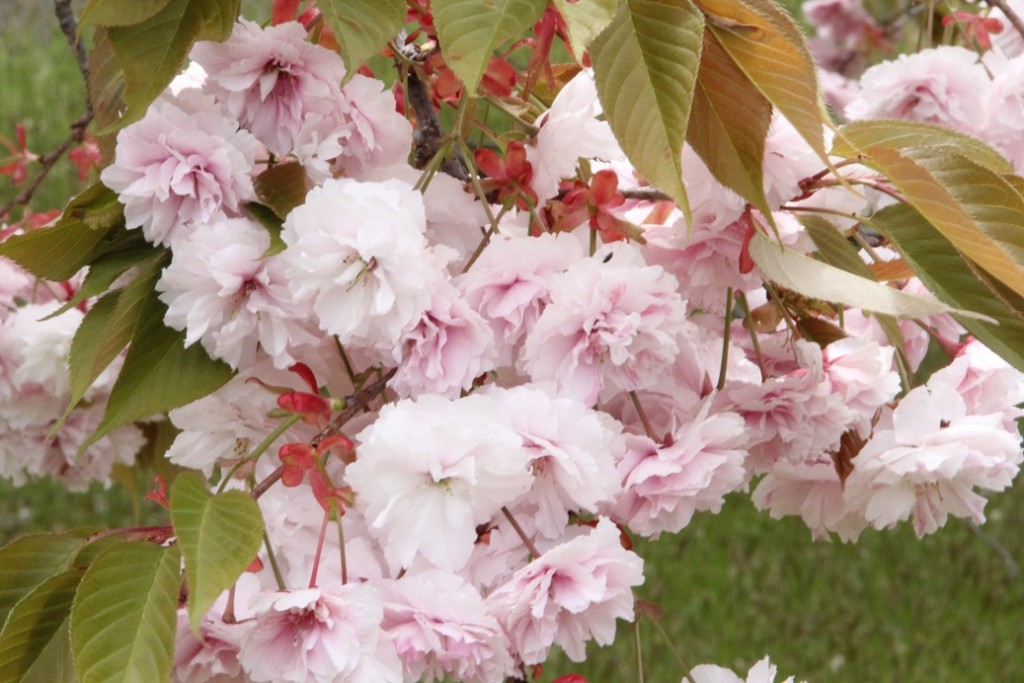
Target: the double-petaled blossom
pixel 183 165
pixel 612 321
pixel 926 458
pixel 271 78
pixel 224 293
pixel 358 251
pixel 441 630
pixel 570 594
pixel 945 85
pixel 429 470
pixel 315 636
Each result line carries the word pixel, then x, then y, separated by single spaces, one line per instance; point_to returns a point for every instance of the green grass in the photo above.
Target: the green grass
pixel 736 586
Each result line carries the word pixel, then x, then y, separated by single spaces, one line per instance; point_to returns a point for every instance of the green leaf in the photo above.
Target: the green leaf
pixel 154 51
pixel 950 277
pixel 54 664
pixel 362 27
pixel 857 137
pixel 125 614
pixel 729 124
pixel 107 328
pixel 97 208
pixel 585 19
pixel 158 374
pixel 271 222
pixel 973 207
pixel 470 31
pixel 219 537
pixel 833 248
pixel 768 47
pixel 822 281
pixel 106 86
pixel 54 253
pixel 282 187
pixel 107 268
pixel 119 12
pixel 34 624
pixel 28 561
pixel 645 66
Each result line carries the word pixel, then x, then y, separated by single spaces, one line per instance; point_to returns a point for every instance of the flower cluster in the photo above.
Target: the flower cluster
pixel 541 394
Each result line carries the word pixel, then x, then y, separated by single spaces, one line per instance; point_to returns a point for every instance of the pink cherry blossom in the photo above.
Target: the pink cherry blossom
pixel 358 250
pixel 926 458
pixel 813 491
pixel 181 166
pixel 510 284
pixel 792 416
pixel 664 484
pixel 309 636
pixel 569 595
pixel 612 321
pixel 572 450
pixel 271 78
pixel 862 373
pixel 944 85
pixel 762 672
pixel 569 130
pixel 223 292
pixel 441 629
pixel 445 350
pixel 209 656
pixel 429 470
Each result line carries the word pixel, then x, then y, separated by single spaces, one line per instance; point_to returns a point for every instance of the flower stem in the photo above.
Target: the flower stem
pixel 519 530
pixel 319 551
pixel 273 562
pixel 725 339
pixel 648 429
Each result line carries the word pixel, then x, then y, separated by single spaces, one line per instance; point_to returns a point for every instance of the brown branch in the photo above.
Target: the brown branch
pixel 429 137
pixel 1012 16
pixel 69 27
pixel 353 405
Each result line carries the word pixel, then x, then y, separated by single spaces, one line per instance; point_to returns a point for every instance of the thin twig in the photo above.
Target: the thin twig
pixel 353 405
pixel 69 27
pixel 648 194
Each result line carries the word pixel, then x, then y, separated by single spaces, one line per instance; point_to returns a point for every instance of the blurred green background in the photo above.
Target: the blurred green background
pixel 729 589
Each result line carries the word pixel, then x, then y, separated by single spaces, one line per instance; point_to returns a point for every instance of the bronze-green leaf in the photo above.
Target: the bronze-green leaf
pixel 973 207
pixel 858 136
pixel 158 374
pixel 35 627
pixel 822 281
pixel 767 46
pixel 585 19
pixel 28 561
pixel 119 12
pixel 954 280
pixel 729 124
